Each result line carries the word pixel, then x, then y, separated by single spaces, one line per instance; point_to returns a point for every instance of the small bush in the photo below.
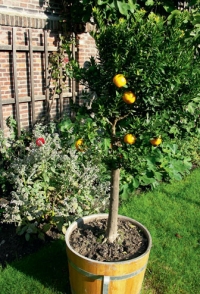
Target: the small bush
pixel 51 186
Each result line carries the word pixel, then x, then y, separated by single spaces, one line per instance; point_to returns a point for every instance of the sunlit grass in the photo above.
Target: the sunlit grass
pixel 171 213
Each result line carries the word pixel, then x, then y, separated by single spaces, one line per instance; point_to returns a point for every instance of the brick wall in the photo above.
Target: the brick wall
pixel 86 47
pixel 23 72
pixel 29 13
pixel 35 14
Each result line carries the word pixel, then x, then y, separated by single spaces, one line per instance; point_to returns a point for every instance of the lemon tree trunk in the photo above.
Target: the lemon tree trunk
pixel 114 204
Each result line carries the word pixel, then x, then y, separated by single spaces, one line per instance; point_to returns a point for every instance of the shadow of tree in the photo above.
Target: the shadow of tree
pixel 48 266
pixel 181 193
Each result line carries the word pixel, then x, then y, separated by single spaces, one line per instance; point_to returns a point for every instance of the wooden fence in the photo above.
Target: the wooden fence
pixel 32 98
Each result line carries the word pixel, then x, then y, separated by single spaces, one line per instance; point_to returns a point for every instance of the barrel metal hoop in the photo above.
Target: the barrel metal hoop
pixel 106 279
pixel 106 282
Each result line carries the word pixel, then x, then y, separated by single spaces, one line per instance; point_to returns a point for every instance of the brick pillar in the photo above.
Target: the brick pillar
pixel 86 45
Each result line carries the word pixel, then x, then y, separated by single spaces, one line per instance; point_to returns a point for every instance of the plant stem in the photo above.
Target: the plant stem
pixel 111 233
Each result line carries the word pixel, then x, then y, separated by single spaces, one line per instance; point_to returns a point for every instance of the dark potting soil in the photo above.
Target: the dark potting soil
pixel 89 241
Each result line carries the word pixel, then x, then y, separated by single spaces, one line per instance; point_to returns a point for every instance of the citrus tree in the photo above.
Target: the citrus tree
pixel 141 91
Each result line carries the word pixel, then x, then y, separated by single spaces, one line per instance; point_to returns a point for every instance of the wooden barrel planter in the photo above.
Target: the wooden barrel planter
pixel 94 277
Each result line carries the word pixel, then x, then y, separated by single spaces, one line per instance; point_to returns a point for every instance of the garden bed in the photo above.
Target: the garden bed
pixel 13 246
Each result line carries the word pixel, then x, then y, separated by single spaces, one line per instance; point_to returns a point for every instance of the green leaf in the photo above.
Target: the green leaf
pixel 132 6
pixel 30 218
pixel 106 144
pixel 149 3
pixel 180 166
pixel 64 229
pixel 135 183
pixel 46 227
pixel 193 2
pixel 101 2
pixel 174 148
pixel 27 236
pixel 46 178
pixel 123 7
pixel 21 230
pixel 53 169
pixel 150 163
pixel 174 130
pixel 170 7
pixel 158 176
pixel 147 181
pixel 41 236
pixel 51 188
pixel 65 125
pixel 191 108
pixel 187 163
pixel 175 176
pixel 196 19
pixel 124 191
pixel 197 99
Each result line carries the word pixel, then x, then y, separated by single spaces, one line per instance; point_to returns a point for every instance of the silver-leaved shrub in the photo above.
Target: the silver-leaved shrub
pixel 52 186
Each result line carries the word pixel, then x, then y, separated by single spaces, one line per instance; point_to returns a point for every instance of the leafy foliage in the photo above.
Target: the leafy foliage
pixel 76 12
pixel 148 51
pixel 51 186
pixel 159 57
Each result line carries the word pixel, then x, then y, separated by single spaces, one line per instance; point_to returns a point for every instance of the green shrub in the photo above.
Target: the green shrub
pixel 10 148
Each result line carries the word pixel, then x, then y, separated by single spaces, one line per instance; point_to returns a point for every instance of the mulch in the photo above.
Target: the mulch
pixel 89 241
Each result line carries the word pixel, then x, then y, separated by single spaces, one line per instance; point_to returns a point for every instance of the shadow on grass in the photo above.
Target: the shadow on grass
pixel 48 266
pixel 183 193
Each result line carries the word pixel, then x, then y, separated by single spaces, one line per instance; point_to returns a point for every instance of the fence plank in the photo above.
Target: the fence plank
pixel 46 74
pixel 14 54
pixel 31 77
pixel 37 98
pixel 73 80
pixel 60 81
pixel 26 48
pixel 1 112
pixel 17 100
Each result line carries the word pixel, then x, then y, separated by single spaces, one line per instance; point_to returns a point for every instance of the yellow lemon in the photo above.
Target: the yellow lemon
pixel 156 141
pixel 119 80
pixel 78 143
pixel 129 97
pixel 129 139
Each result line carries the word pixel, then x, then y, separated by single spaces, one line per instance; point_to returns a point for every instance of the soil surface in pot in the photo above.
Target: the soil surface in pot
pixel 89 241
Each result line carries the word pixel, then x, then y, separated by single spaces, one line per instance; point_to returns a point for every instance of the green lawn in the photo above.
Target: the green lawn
pixel 171 213
pixel 44 272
